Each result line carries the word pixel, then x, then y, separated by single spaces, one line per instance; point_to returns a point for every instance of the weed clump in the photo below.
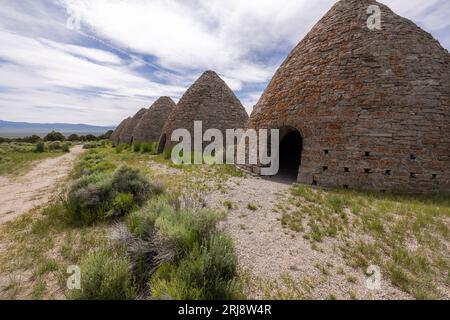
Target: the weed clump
pixel 149 147
pixel 90 145
pixel 208 272
pixel 54 145
pixel 40 147
pixel 121 147
pixel 105 276
pixel 65 147
pixel 128 180
pixel 99 195
pixel 92 163
pixel 123 203
pixel 189 257
pixel 137 146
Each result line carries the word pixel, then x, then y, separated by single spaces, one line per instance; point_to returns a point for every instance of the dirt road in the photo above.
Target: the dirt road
pixel 20 195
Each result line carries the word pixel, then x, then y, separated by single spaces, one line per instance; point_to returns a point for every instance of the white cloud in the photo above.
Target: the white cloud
pixel 44 73
pixel 213 34
pixel 89 53
pixel 56 67
pixel 96 76
pixel 432 14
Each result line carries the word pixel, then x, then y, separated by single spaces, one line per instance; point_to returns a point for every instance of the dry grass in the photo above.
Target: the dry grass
pixel 406 235
pixel 283 288
pixel 37 248
pixel 16 158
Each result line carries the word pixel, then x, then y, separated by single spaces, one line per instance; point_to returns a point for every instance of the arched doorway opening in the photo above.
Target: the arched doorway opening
pixel 162 144
pixel 291 147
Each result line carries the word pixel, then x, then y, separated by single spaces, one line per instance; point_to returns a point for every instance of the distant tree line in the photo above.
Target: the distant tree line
pixel 58 136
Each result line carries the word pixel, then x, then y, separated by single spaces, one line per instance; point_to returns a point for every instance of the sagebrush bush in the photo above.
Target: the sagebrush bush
pixel 183 252
pixel 128 180
pixel 98 195
pixel 90 145
pixel 137 147
pixel 149 147
pixel 123 204
pixel 65 147
pixel 94 163
pixel 40 147
pixel 187 227
pixel 206 273
pixel 142 222
pixel 181 227
pixel 90 198
pixel 104 276
pixel 54 145
pixel 54 136
pixel 121 147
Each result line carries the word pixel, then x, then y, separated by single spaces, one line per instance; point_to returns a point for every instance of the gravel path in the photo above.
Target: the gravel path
pixel 20 195
pixel 269 253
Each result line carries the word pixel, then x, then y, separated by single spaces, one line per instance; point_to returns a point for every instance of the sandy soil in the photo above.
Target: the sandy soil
pixel 20 195
pixel 268 252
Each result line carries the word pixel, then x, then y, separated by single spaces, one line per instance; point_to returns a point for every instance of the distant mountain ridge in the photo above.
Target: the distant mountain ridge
pixel 20 129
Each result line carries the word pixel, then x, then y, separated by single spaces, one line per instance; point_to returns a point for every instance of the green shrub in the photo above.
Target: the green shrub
pixel 104 276
pixel 207 273
pixel 149 147
pixel 73 137
pixel 107 135
pixel 123 204
pixel 96 196
pixel 65 147
pixel 193 260
pixel 54 145
pixel 128 180
pixel 100 167
pixel 142 222
pixel 31 139
pixel 54 136
pixel 121 147
pixel 90 145
pixel 187 227
pixel 40 147
pixel 137 147
pixel 90 198
pixel 183 227
pixel 92 163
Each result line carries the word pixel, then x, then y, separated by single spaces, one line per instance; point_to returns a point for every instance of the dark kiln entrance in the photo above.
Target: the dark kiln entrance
pixel 162 144
pixel 291 147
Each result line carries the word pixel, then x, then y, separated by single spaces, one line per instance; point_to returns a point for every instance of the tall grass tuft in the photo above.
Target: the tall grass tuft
pixel 105 276
pixel 149 147
pixel 137 146
pixel 40 147
pixel 65 147
pixel 98 195
pixel 190 258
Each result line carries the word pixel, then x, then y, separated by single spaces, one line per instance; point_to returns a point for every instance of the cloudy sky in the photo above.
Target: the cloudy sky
pixel 125 54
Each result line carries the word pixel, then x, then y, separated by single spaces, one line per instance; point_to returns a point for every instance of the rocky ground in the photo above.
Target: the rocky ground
pixel 282 264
